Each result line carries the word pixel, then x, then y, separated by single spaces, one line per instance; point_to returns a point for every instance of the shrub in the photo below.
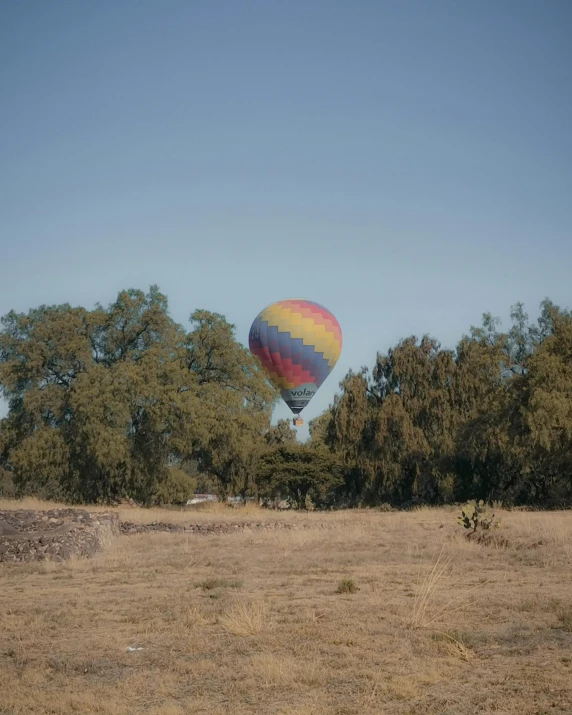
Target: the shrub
pixel 210 584
pixel 347 585
pixel 7 487
pixel 176 487
pixel 385 507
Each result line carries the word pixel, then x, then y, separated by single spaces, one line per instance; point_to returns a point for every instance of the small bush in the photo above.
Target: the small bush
pixel 347 585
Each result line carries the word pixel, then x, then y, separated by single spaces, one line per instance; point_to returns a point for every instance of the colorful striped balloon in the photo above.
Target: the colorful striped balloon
pixel 298 343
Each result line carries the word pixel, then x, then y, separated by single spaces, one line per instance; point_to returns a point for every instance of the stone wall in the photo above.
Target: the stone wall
pixel 60 534
pixel 128 527
pixel 55 535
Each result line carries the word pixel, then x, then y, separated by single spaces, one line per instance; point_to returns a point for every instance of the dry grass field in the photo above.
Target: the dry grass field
pixel 379 613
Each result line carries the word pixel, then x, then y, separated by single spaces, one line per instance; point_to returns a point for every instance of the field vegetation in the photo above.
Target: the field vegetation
pixel 378 612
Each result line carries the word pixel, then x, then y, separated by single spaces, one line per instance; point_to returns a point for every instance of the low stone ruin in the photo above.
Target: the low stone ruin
pixel 55 535
pixel 128 527
pixel 60 534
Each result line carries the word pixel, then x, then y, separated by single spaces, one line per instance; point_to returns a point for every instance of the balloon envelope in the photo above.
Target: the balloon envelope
pixel 298 343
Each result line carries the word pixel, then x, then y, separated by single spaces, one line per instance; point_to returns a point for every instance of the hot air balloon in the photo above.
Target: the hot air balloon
pixel 298 343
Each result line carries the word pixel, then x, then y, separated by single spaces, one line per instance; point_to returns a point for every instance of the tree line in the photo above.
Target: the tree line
pixel 123 401
pixel 490 419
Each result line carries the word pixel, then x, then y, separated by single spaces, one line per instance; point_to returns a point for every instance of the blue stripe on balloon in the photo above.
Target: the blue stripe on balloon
pixel 269 339
pixel 318 365
pixel 272 339
pixel 293 348
pixel 257 337
pixel 254 334
pixel 279 345
pixel 285 345
pixel 308 359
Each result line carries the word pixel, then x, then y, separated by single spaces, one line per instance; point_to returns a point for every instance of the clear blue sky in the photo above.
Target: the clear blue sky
pixel 408 164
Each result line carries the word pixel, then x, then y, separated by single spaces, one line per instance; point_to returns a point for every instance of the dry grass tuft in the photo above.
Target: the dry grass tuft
pixel 195 618
pixel 286 671
pixel 455 639
pixel 423 614
pixel 428 606
pixel 246 618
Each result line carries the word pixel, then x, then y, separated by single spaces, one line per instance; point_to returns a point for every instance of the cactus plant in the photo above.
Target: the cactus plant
pixel 475 515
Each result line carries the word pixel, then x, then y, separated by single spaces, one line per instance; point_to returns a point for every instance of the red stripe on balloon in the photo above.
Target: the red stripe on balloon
pixel 286 368
pixel 266 359
pixel 294 373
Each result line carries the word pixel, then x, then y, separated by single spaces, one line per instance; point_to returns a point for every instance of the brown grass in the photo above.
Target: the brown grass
pixel 255 622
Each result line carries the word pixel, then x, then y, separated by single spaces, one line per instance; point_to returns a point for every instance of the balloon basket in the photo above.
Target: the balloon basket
pixel 297 422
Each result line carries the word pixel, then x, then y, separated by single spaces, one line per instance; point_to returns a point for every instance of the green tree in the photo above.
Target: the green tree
pixel 394 429
pixel 349 435
pixel 235 401
pixel 502 451
pixel 479 401
pixel 90 397
pixel 298 471
pixel 415 422
pixel 319 428
pixel 176 488
pixel 280 433
pixel 105 403
pixel 546 409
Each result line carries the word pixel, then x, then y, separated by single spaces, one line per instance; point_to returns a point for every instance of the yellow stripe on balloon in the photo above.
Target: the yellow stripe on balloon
pixel 316 336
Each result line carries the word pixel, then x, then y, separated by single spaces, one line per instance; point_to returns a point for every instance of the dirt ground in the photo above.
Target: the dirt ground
pixel 379 613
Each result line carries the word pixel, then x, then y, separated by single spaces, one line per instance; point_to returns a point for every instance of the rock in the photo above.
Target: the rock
pixel 61 533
